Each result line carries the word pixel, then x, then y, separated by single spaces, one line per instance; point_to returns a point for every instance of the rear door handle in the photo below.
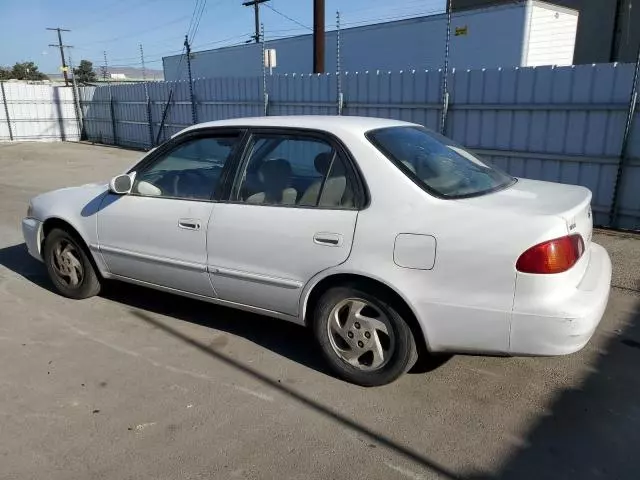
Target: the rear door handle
pixel 328 239
pixel 189 223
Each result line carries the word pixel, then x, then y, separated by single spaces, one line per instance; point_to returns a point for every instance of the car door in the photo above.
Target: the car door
pixel 291 214
pixel 157 234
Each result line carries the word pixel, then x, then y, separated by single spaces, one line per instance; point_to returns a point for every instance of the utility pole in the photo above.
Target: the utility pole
pixel 61 47
pixel 76 99
pixel 256 12
pixel 318 36
pixel 194 117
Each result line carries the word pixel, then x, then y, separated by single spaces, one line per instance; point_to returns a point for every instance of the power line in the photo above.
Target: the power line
pixel 192 23
pixel 215 42
pixel 288 17
pixel 194 14
pixel 278 30
pixel 151 55
pixel 198 19
pixel 158 56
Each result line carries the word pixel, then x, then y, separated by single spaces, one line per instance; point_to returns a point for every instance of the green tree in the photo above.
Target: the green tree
pixel 27 71
pixel 5 73
pixel 84 73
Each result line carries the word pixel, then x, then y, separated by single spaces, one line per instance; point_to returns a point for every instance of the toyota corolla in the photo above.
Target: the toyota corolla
pixel 384 238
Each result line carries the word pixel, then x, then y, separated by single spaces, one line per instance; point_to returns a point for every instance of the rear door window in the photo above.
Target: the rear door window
pixel 295 170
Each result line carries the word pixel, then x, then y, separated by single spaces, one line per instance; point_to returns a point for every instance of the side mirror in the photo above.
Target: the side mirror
pixel 121 184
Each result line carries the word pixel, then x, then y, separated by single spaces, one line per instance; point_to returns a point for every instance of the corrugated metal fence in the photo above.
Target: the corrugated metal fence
pixel 562 124
pixel 37 112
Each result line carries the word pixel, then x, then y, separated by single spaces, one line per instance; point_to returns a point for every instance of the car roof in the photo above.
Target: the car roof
pixel 328 123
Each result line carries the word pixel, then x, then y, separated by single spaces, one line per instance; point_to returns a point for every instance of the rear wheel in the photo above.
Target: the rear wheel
pixel 68 265
pixel 363 337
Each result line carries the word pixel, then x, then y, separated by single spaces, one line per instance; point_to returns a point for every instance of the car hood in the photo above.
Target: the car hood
pixel 84 199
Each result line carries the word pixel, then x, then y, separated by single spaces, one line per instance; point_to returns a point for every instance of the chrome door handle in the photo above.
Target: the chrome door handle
pixel 328 239
pixel 189 224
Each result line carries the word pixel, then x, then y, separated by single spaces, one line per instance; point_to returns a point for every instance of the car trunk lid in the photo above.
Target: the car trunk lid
pixel 572 203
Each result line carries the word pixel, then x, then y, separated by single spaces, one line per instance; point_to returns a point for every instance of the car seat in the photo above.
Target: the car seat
pixel 276 177
pixel 335 192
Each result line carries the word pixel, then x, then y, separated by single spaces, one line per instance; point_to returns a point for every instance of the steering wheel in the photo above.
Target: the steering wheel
pixel 187 179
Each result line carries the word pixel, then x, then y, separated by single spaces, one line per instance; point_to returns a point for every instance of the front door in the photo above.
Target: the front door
pixel 292 214
pixel 158 233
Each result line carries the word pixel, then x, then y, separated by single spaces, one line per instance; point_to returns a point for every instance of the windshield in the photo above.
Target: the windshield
pixel 438 164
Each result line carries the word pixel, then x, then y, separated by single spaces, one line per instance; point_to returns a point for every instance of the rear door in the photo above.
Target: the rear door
pixel 291 214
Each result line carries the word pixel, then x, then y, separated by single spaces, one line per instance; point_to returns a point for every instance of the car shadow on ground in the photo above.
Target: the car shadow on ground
pixel 593 431
pixel 17 259
pixel 284 338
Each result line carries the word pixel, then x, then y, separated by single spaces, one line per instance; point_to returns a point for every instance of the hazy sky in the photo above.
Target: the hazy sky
pixel 119 26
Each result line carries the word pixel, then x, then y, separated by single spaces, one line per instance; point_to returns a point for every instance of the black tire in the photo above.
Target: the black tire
pixel 87 283
pixel 401 344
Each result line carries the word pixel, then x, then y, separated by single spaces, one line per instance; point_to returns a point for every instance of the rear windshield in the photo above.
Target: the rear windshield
pixel 438 164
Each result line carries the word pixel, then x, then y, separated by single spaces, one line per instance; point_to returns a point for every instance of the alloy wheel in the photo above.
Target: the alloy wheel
pixel 66 263
pixel 360 334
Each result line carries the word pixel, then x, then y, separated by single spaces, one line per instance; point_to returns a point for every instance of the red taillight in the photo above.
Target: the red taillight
pixel 553 256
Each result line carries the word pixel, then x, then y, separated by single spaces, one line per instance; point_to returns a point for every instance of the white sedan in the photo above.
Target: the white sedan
pixel 386 239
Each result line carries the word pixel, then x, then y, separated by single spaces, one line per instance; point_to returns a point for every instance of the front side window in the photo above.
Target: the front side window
pixel 192 170
pixel 438 164
pixel 296 171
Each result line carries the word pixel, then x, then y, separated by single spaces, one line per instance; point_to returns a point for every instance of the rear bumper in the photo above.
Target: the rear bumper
pixel 32 233
pixel 566 324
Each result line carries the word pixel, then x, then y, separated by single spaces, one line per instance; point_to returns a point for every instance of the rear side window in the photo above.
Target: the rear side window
pixel 295 170
pixel 438 164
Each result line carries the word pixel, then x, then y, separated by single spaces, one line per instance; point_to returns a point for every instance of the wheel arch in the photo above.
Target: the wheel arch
pixel 52 223
pixel 321 285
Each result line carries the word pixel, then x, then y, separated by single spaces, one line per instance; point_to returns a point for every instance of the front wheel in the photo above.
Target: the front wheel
pixel 362 336
pixel 69 266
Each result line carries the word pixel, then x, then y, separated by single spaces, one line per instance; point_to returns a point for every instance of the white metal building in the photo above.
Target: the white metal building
pixel 525 33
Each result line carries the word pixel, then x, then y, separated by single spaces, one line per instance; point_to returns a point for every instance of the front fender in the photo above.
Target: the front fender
pixel 76 206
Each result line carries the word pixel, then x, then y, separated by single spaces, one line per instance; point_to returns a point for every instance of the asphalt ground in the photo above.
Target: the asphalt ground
pixel 141 384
